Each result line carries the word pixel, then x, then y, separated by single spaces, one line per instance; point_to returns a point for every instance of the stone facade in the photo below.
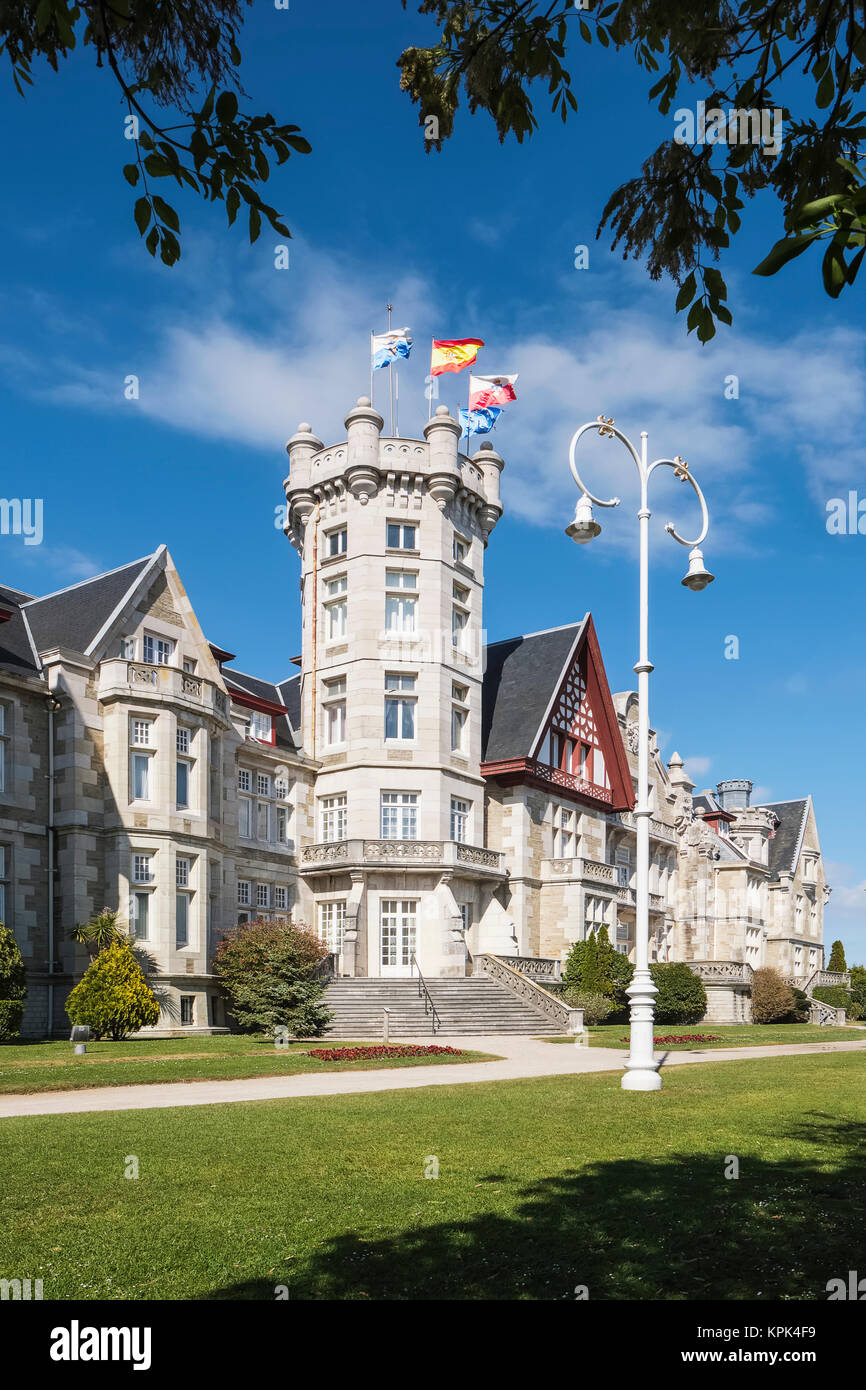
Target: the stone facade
pixel 415 797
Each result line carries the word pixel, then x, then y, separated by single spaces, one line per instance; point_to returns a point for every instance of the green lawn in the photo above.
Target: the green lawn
pixel 27 1067
pixel 543 1185
pixel 733 1035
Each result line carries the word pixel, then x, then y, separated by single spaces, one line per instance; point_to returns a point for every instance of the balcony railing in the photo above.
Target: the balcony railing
pixel 658 829
pixel 614 877
pixel 400 854
pixel 144 681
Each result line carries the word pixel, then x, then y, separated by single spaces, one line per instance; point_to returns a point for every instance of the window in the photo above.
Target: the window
pixel 461 549
pixel 400 605
pixel 245 780
pixel 181 873
pixel 459 628
pixel 465 915
pixel 336 542
pixel 187 1007
pixel 281 898
pixel 141 733
pixel 157 650
pixel 127 648
pixel 141 777
pixel 182 740
pixel 189 665
pixel 182 784
pixel 4 879
pixel 244 898
pixel 141 916
pixel 564 837
pixel 332 924
pixel 459 718
pixel 461 594
pixel 459 819
pixel 281 789
pixel 283 825
pixel 261 727
pixel 335 711
pixel 263 821
pixel 263 783
pixel 245 818
pixel 399 707
pixel 401 537
pixel 336 609
pixel 399 815
pixel 181 919
pixel 596 913
pixel 332 817
pixel 263 895
pixel 142 870
pixel 4 738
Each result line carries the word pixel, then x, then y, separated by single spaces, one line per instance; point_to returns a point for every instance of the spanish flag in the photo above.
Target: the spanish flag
pixel 453 354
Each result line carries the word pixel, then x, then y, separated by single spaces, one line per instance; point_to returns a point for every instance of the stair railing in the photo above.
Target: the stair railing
pixel 424 993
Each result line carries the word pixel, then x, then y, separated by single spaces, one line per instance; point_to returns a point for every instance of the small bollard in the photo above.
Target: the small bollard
pixel 80 1049
pixel 386 1025
pixel 581 1039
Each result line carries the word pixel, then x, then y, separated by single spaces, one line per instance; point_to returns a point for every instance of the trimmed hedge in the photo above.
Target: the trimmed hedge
pixel 681 995
pixel 837 995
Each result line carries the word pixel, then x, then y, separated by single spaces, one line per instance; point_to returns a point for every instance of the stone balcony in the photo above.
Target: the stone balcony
pixel 594 872
pixel 657 828
pixel 122 679
pixel 337 855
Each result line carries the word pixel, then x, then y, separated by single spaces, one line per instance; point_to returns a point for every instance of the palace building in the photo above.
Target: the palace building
pixel 421 800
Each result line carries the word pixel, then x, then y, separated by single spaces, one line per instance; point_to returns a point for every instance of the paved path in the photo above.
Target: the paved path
pixel 521 1057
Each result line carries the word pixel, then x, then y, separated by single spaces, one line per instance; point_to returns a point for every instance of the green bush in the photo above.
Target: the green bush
pixel 681 995
pixel 11 1014
pixel 13 986
pixel 596 1007
pixel 112 997
pixel 858 989
pixel 594 967
pixel 268 970
pixel 800 1012
pixel 833 994
pixel 837 958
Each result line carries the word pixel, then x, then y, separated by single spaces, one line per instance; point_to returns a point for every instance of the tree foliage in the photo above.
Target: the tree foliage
pixel 681 210
pixel 179 57
pixel 13 985
pixel 112 997
pixel 594 967
pixel 837 957
pixel 270 973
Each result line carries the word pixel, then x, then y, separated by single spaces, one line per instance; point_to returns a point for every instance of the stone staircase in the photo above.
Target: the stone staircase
pixel 465 1006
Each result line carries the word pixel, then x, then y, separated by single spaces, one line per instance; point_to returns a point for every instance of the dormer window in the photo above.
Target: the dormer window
pixel 261 727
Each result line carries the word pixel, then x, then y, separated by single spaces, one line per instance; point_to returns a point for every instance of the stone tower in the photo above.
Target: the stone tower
pixel 391 535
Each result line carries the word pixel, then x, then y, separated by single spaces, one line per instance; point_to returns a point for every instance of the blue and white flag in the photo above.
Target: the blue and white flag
pixel 479 421
pixel 386 348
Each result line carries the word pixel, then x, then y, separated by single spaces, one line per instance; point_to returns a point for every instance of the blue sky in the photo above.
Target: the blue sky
pixel 478 241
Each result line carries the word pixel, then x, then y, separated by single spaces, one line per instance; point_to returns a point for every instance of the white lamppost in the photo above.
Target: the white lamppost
pixel 642 1068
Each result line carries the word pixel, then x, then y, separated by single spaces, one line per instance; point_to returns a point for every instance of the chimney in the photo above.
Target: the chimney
pixel 734 795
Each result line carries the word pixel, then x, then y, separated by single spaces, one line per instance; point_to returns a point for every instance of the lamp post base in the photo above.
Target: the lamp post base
pixel 642 1067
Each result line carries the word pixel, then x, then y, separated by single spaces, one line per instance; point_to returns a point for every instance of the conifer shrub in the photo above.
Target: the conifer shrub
pixel 112 997
pixel 772 999
pixel 13 986
pixel 837 957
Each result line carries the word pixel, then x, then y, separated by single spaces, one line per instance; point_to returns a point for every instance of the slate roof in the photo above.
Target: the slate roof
pixel 290 690
pixel 284 728
pixel 16 650
pixel 784 847
pixel 521 677
pixel 72 617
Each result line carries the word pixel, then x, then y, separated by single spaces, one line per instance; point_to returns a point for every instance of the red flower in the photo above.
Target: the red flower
pixel 357 1054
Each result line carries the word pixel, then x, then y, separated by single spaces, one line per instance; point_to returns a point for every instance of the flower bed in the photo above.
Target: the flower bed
pixel 684 1038
pixel 363 1054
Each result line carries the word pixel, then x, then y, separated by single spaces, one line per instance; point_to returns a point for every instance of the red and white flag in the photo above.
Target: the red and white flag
pixel 485 391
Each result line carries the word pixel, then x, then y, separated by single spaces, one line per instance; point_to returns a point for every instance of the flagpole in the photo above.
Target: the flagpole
pixel 430 396
pixel 390 378
pixel 371 367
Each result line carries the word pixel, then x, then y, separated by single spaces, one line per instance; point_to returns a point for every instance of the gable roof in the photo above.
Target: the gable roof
pixel 238 682
pixel 75 616
pixel 784 847
pixel 521 678
pixel 524 681
pixel 16 649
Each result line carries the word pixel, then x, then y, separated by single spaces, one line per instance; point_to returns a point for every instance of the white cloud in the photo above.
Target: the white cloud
pixel 697 767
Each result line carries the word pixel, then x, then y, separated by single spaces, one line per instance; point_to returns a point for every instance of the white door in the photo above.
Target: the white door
pixel 397 935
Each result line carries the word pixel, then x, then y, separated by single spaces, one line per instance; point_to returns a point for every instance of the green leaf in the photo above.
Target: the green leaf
pixel 166 212
pixel 152 240
pixel 687 291
pixel 233 202
pixel 226 107
pixel 783 252
pixel 130 173
pixel 157 166
pixel 826 90
pixel 142 215
pixel 255 223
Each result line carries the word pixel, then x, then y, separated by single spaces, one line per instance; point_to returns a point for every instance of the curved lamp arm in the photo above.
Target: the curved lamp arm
pixel 681 471
pixel 606 428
